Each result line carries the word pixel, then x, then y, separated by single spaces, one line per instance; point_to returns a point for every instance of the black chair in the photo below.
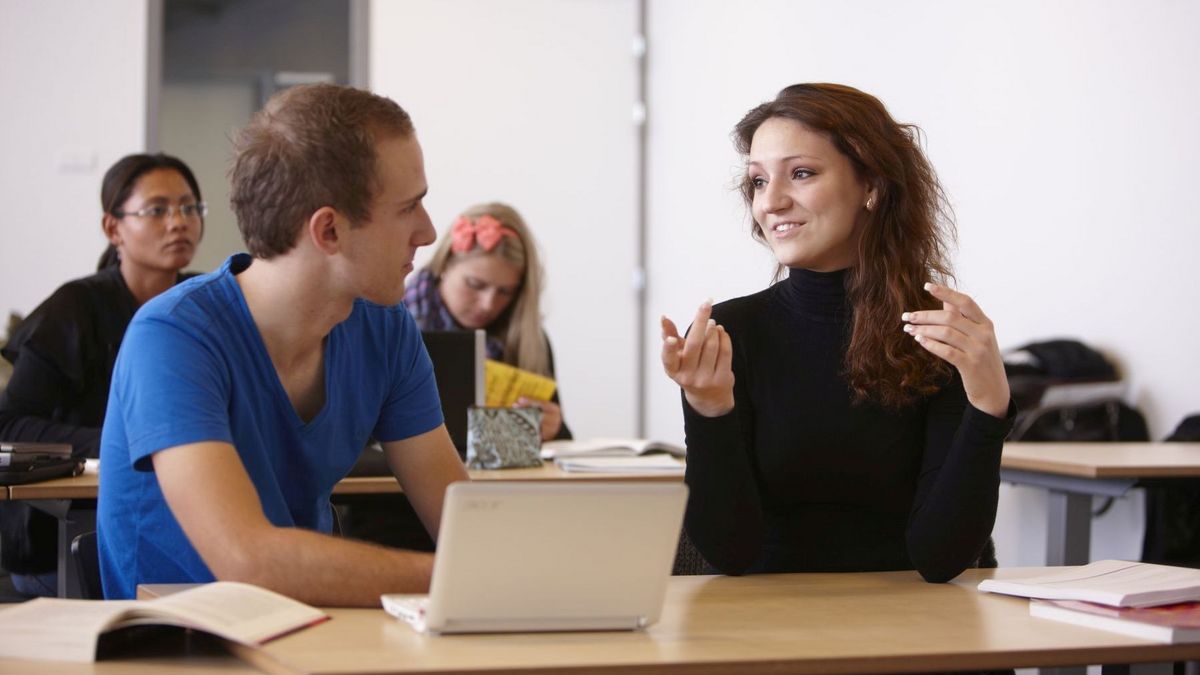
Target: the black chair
pixel 337 520
pixel 987 556
pixel 688 560
pixel 86 557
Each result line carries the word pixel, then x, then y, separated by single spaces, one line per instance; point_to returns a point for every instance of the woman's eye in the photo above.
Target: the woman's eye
pixel 157 211
pixel 475 284
pixel 801 173
pixel 758 182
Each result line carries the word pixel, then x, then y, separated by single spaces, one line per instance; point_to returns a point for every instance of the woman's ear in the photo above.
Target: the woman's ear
pixel 108 223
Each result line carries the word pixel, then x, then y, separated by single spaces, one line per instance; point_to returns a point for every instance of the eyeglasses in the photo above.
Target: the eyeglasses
pixel 163 211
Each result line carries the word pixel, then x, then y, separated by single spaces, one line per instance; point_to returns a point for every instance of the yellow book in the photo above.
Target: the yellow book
pixel 505 384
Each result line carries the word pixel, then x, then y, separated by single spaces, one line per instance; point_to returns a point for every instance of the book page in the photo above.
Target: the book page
pixel 57 629
pixel 504 384
pixel 239 612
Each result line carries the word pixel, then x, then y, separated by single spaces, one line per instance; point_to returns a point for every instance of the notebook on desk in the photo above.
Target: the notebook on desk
pixel 524 557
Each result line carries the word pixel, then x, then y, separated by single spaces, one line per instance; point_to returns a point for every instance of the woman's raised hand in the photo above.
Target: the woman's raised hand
pixel 701 363
pixel 961 334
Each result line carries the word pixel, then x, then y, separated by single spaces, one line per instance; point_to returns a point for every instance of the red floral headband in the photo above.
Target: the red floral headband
pixel 484 230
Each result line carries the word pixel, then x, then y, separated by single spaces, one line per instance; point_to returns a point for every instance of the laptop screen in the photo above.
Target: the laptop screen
pixel 458 365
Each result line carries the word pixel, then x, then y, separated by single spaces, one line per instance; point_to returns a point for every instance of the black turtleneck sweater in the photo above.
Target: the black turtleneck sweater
pixel 797 478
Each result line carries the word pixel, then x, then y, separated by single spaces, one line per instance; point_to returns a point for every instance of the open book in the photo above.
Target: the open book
pixel 1165 623
pixel 608 447
pixel 70 630
pixel 1117 583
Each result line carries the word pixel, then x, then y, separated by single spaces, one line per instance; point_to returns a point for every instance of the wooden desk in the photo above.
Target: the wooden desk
pixel 883 622
pixel 87 484
pixel 1073 473
pixel 73 501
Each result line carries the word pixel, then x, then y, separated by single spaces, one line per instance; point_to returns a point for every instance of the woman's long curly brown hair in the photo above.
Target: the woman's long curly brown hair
pixel 904 240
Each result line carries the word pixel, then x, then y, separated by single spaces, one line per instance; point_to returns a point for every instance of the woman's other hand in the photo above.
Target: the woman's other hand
pixel 551 415
pixel 701 363
pixel 961 334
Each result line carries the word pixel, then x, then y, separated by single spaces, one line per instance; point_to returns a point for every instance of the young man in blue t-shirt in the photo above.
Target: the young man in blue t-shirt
pixel 241 397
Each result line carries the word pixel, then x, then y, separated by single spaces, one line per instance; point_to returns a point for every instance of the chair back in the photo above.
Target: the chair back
pixel 85 555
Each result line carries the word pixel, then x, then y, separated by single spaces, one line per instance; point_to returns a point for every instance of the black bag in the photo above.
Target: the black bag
pixel 1038 365
pixel 1173 511
pixel 1069 360
pixel 1108 420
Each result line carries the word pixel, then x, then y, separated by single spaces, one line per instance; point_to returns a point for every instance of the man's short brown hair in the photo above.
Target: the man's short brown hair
pixel 311 146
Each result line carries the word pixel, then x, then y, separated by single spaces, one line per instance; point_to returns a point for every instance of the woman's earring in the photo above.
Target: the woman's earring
pixel 870 202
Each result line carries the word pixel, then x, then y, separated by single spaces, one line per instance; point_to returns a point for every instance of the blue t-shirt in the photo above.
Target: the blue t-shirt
pixel 193 367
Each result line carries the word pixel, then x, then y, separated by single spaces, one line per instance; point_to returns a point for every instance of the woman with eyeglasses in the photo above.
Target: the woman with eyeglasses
pixel 63 353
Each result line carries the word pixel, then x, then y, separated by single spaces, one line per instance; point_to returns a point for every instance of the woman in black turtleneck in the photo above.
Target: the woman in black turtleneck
pixel 821 435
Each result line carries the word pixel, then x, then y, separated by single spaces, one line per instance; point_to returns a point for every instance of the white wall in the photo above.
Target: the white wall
pixel 197 121
pixel 529 102
pixel 74 83
pixel 1064 132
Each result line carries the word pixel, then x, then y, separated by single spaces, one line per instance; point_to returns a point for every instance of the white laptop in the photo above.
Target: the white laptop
pixel 522 557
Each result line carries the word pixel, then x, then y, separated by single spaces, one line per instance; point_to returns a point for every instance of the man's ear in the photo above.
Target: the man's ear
pixel 324 229
pixel 108 224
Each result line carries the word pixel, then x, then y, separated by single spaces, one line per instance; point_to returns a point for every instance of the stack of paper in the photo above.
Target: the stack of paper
pixel 636 464
pixel 1117 583
pixel 1156 602
pixel 1165 623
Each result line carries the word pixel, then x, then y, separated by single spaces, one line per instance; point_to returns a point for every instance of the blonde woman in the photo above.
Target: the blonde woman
pixel 485 274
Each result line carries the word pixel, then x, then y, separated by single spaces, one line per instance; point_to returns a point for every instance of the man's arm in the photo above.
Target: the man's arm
pixel 216 504
pixel 426 465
